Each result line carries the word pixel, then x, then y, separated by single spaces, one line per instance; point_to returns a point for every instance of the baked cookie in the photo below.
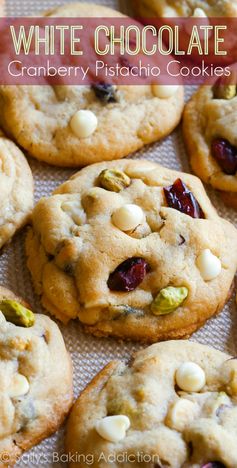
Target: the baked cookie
pixel 210 133
pixel 183 8
pixel 80 125
pixel 17 192
pixel 36 386
pixel 174 406
pixel 132 249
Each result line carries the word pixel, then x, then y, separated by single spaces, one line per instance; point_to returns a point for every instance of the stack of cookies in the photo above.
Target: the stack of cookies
pixel 128 249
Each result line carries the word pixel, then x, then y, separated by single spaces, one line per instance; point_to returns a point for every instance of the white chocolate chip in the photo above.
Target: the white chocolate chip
pixel 181 413
pixel 73 210
pixel 128 217
pixel 84 123
pixel 209 265
pixel 19 386
pixel 199 13
pixel 169 12
pixel 113 428
pixel 164 91
pixel 190 377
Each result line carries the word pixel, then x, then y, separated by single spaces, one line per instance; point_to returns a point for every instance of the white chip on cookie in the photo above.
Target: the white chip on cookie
pixel 190 377
pixel 181 413
pixel 74 211
pixel 83 123
pixel 128 217
pixel 164 91
pixel 199 13
pixel 19 386
pixel 113 428
pixel 169 12
pixel 209 265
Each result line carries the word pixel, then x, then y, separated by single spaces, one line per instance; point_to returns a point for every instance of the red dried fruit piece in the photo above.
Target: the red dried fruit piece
pixel 225 154
pixel 179 197
pixel 213 465
pixel 128 275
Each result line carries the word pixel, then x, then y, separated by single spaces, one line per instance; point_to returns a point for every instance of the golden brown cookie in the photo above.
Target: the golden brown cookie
pixel 210 129
pixel 174 406
pixel 17 189
pixel 79 125
pixel 133 250
pixel 36 386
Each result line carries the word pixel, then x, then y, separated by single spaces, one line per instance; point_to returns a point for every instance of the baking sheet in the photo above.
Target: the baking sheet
pixel 91 354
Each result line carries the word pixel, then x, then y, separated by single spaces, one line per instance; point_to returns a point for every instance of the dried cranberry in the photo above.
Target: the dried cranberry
pixel 213 465
pixel 105 92
pixel 128 275
pixel 225 154
pixel 179 197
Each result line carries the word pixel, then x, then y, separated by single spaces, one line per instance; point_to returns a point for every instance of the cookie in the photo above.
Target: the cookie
pixel 80 125
pixel 173 406
pixel 112 248
pixel 16 184
pixel 173 8
pixel 210 129
pixel 36 386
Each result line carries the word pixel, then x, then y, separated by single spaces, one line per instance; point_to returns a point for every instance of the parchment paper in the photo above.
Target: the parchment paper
pixel 90 354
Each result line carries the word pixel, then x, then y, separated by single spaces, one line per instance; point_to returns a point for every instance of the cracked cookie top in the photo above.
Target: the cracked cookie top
pixel 133 250
pixel 173 406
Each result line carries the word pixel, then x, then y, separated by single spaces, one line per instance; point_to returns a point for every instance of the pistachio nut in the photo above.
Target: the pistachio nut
pixel 114 180
pixel 16 313
pixel 168 300
pixel 224 91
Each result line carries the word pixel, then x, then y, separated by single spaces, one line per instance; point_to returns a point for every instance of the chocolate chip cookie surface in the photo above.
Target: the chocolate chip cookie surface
pixel 132 249
pixel 16 184
pixel 210 132
pixel 174 406
pixel 173 8
pixel 79 125
pixel 36 386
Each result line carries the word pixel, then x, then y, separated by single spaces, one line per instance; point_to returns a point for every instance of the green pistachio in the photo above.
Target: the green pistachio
pixel 16 313
pixel 168 300
pixel 114 180
pixel 225 91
